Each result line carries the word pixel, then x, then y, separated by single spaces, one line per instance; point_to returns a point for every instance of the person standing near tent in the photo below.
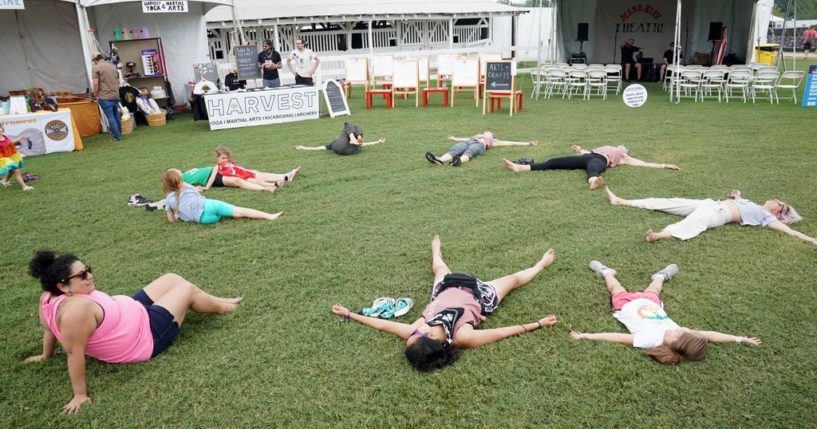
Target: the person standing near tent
pixel 303 59
pixel 269 61
pixel 809 37
pixel 105 82
pixel 628 51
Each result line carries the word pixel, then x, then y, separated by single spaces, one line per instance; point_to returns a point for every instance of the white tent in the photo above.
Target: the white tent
pixel 48 44
pixel 653 26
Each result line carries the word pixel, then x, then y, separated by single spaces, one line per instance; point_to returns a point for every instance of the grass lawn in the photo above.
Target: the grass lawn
pixel 360 227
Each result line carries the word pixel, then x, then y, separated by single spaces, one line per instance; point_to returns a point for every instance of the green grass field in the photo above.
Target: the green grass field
pixel 360 227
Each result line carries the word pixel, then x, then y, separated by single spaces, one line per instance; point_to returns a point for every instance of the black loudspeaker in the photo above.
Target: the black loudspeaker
pixel 582 32
pixel 715 30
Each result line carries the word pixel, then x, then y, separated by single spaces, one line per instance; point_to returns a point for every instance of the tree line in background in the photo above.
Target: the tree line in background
pixel 806 9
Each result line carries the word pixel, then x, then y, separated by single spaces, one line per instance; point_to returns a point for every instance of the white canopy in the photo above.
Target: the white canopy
pixel 652 25
pixel 54 50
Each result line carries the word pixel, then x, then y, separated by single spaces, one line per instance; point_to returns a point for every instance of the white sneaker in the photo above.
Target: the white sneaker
pixel 600 268
pixel 668 272
pixel 5 183
pixel 28 188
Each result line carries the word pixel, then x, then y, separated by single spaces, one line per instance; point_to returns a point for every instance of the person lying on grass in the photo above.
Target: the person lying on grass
pixel 226 168
pixel 112 329
pixel 459 303
pixel 594 162
pixel 650 328
pixel 349 142
pixel 186 203
pixel 700 215
pixel 468 148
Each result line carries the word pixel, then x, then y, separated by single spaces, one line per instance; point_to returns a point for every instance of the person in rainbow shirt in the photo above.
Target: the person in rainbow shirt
pixel 650 327
pixel 11 163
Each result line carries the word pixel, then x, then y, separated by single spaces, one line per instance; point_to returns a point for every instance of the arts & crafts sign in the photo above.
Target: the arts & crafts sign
pixel 12 4
pixel 163 6
pixel 246 109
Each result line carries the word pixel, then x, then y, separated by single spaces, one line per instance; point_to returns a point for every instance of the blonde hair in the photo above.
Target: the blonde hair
pixel 688 346
pixel 224 150
pixel 788 214
pixel 172 182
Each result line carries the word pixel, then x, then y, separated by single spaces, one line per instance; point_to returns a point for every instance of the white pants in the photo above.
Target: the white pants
pixel 700 215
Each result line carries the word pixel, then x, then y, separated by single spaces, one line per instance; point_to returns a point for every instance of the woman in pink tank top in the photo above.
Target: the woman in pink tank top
pixel 594 162
pixel 458 304
pixel 113 329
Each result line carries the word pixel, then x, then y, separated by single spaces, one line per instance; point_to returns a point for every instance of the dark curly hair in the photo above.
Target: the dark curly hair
pixel 426 354
pixel 51 269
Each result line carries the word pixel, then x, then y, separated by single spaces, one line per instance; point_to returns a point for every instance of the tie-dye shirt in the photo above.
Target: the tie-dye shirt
pixel 647 321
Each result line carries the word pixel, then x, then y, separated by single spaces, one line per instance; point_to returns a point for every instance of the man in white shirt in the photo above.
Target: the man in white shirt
pixel 303 63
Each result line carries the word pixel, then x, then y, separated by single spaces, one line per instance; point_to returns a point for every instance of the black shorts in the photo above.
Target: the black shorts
pixel 218 182
pixel 807 46
pixel 162 326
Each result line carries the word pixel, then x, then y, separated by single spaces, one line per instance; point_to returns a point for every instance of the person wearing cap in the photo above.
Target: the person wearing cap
pixel 593 161
pixel 105 83
pixel 269 61
pixel 468 148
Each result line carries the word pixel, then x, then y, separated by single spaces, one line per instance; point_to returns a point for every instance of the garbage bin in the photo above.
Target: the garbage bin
pixel 766 53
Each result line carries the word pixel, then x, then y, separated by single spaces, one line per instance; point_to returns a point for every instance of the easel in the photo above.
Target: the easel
pixel 494 72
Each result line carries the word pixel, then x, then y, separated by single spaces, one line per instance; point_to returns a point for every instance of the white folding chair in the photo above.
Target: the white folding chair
pixel 712 84
pixel 738 80
pixel 613 72
pixel 537 77
pixel 690 84
pixel 765 82
pixel 555 82
pixel 672 74
pixel 789 80
pixel 596 82
pixel 576 83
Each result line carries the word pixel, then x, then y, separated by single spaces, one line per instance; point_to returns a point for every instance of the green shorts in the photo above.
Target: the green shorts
pixel 214 210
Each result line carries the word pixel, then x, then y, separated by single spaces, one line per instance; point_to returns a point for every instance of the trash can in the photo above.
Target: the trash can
pixel 766 53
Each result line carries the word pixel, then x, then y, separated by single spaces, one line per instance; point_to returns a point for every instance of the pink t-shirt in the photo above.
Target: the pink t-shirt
pixel 612 153
pixel 122 337
pixel 449 303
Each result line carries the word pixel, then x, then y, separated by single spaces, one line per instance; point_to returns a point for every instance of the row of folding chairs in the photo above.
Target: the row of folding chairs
pixel 744 83
pixel 569 80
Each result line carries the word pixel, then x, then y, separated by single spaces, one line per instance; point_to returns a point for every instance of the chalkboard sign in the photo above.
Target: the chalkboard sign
pixel 335 99
pixel 498 76
pixel 246 61
pixel 207 71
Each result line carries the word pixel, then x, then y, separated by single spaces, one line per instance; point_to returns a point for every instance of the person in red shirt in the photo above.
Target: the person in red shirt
pixel 227 168
pixel 809 37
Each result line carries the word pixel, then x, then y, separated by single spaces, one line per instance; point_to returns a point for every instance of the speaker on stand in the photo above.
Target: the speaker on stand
pixel 582 33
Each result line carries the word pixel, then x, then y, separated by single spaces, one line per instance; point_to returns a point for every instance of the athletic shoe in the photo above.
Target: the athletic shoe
pixel 402 306
pixel 456 162
pixel 28 188
pixel 524 161
pixel 137 200
pixel 600 268
pixel 4 182
pixel 433 159
pixel 668 272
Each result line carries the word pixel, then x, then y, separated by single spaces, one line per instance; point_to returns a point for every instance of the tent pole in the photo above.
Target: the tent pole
pixel 451 33
pixel 552 42
pixel 371 44
pixel 539 40
pixel 82 22
pixel 794 38
pixel 674 89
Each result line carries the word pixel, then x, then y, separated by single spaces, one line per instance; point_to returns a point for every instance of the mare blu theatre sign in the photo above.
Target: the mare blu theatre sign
pixel 12 4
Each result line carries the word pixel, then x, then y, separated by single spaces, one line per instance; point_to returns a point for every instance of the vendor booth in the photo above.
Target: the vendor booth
pixel 45 132
pixel 595 29
pixel 48 43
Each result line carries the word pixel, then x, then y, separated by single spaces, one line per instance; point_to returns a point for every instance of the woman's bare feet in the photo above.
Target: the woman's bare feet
pixel 595 182
pixel 516 168
pixel 547 259
pixel 436 244
pixel 292 174
pixel 274 216
pixel 614 200
pixel 228 305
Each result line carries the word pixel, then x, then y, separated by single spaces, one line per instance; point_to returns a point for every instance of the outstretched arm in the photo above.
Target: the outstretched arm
pixel 628 160
pixel 373 143
pixel 468 338
pixel 17 139
pixel 612 337
pixel 456 139
pixel 578 149
pixel 719 337
pixel 512 143
pixel 782 227
pixel 402 330
pixel 299 147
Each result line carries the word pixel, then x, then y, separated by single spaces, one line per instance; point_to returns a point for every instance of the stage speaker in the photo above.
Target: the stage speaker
pixel 582 32
pixel 715 30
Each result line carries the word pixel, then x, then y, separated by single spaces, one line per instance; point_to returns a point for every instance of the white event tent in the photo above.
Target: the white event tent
pixel 48 44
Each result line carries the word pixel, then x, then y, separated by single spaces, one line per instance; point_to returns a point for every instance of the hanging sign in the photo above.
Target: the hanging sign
pixel 161 6
pixel 810 89
pixel 12 4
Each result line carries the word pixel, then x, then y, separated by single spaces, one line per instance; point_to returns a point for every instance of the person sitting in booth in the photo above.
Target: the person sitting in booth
pixel 232 82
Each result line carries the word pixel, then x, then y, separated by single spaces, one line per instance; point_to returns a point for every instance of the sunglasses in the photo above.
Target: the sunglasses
pixel 84 274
